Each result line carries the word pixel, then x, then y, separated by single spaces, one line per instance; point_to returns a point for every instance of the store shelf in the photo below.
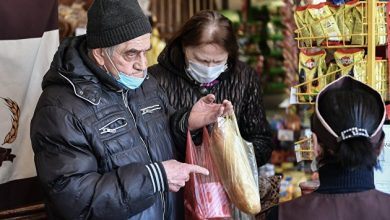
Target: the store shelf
pixel 356 24
pixel 305 93
pixel 342 27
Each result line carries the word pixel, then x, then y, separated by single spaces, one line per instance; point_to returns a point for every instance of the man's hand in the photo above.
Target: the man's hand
pixel 205 112
pixel 179 173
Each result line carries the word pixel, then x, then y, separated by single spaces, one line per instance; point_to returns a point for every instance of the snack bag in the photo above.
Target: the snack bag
pixel 359 33
pixel 231 159
pixel 204 196
pixel 348 18
pixel 303 28
pixel 380 27
pixel 322 23
pixel 349 61
pixel 333 72
pixel 381 78
pixel 343 19
pixel 311 65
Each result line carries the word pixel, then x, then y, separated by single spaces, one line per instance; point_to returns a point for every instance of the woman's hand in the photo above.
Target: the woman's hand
pixel 205 112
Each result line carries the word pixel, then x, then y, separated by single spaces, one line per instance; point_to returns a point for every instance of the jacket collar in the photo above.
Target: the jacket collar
pixel 334 179
pixel 71 65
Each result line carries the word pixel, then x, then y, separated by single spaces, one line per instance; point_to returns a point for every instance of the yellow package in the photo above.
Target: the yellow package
pixel 333 72
pixel 381 27
pixel 359 33
pixel 343 17
pixel 311 66
pixel 303 28
pixel 346 15
pixel 350 62
pixel 322 23
pixel 381 78
pixel 230 156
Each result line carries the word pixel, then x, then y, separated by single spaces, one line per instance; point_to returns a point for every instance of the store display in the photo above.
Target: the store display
pixel 350 57
pixel 328 24
pixel 349 49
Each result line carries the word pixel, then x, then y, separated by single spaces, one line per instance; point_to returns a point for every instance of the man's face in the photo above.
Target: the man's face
pixel 130 57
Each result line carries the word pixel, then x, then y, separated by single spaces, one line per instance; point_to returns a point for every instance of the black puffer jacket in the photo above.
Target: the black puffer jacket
pixel 240 85
pixel 97 146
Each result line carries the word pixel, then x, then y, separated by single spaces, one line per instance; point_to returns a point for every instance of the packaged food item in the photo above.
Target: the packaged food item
pixel 322 23
pixel 343 17
pixel 350 62
pixel 359 33
pixel 332 72
pixel 380 27
pixel 230 155
pixel 311 66
pixel 303 28
pixel 381 78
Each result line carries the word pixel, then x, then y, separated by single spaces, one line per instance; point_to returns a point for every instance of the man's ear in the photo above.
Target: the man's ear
pixel 98 55
pixel 316 146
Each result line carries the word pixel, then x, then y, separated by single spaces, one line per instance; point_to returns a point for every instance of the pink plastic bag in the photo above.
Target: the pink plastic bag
pixel 204 196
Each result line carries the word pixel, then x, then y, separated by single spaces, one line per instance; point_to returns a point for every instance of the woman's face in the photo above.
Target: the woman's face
pixel 206 54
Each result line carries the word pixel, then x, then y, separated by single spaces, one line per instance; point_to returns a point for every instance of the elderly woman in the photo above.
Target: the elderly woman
pixel 202 58
pixel 348 137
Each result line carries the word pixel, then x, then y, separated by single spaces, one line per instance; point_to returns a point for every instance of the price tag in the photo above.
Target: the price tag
pixel 293 96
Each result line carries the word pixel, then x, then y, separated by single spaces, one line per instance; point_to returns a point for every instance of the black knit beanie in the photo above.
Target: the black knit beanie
pixel 112 22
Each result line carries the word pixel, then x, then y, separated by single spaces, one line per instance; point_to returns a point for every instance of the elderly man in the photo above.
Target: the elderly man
pixel 103 133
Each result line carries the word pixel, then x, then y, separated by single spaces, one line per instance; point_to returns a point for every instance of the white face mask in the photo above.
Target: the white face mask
pixel 204 74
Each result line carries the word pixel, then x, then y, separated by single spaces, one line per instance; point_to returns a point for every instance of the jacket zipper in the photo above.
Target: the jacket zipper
pixel 106 129
pixel 124 98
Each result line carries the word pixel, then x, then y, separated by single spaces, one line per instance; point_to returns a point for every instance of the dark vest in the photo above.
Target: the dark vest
pixel 366 205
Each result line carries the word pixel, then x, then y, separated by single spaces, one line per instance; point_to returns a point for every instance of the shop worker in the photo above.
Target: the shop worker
pixel 201 59
pixel 101 132
pixel 348 137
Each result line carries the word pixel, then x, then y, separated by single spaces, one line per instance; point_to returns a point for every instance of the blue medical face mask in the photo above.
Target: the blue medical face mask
pixel 130 82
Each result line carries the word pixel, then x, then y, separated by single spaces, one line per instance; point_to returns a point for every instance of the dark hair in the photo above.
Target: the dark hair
pixel 190 34
pixel 346 108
